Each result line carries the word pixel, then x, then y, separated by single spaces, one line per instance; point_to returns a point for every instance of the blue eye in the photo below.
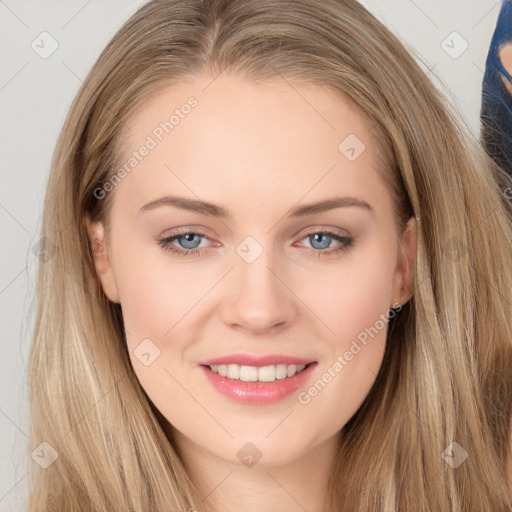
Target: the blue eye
pixel 321 240
pixel 320 243
pixel 191 240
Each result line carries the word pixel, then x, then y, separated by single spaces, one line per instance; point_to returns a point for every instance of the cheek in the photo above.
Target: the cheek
pixel 352 296
pixel 354 302
pixel 156 293
pixel 159 299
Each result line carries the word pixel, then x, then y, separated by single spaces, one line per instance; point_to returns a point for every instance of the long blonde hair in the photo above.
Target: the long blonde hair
pixel 446 375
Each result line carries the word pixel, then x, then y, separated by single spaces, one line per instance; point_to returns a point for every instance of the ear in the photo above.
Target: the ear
pixel 404 272
pixel 96 232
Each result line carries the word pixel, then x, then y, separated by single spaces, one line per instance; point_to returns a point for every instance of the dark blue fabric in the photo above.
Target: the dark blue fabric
pixel 496 111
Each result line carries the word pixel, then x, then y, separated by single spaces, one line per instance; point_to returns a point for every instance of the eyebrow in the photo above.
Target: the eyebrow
pixel 214 210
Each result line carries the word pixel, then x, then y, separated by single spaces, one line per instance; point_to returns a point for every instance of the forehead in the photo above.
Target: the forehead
pixel 228 136
pixel 226 102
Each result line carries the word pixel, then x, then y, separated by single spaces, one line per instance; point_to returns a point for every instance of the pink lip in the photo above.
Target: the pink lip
pixel 258 392
pixel 253 360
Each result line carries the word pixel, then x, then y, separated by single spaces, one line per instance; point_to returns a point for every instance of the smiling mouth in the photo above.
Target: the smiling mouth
pixel 258 385
pixel 269 373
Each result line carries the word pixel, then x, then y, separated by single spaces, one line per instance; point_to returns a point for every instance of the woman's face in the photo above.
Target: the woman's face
pixel 216 251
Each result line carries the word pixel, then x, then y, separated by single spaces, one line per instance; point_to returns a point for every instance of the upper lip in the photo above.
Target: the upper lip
pixel 257 360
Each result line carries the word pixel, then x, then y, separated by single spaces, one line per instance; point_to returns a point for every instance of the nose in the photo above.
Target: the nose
pixel 261 300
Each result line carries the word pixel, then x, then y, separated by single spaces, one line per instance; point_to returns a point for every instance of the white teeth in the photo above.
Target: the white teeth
pixel 248 373
pixel 254 373
pixel 281 371
pixel 267 373
pixel 233 371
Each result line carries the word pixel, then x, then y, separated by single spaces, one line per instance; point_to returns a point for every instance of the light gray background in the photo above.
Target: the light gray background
pixel 35 94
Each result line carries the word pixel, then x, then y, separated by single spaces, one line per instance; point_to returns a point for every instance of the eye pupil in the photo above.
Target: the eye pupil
pixel 317 237
pixel 189 238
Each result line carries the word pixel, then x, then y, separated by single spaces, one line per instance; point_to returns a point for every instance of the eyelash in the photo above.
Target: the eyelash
pixel 166 242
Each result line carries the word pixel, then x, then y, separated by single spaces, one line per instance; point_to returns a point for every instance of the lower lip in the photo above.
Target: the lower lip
pixel 258 392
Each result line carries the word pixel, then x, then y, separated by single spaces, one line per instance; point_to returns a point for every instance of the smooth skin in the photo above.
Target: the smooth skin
pixel 257 150
pixel 505 55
